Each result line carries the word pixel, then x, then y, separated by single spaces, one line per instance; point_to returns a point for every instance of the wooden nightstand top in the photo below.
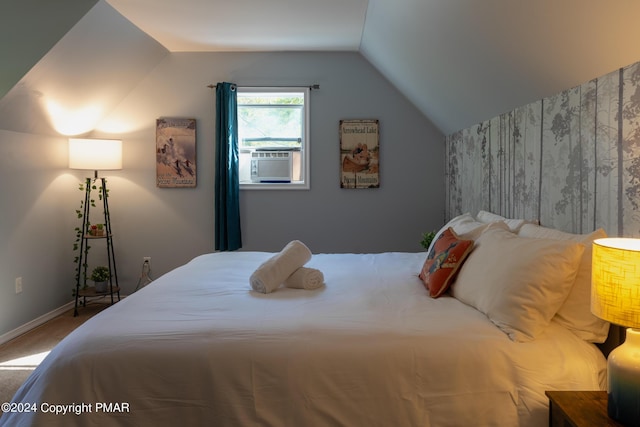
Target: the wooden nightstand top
pixel 579 408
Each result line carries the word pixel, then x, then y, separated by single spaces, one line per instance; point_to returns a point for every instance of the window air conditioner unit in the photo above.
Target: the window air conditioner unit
pixel 271 166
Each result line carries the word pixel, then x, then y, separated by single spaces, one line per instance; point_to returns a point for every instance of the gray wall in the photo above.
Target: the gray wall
pixel 327 218
pixel 37 202
pixel 39 194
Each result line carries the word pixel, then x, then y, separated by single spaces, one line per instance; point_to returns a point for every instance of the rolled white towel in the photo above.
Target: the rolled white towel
pixel 274 271
pixel 305 278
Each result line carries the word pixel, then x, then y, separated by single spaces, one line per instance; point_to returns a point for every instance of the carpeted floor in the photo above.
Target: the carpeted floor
pixel 20 356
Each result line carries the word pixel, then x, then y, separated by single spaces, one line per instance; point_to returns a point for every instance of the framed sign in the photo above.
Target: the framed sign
pixel 175 153
pixel 359 154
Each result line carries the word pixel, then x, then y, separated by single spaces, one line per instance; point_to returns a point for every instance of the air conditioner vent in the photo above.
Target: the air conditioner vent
pixel 271 166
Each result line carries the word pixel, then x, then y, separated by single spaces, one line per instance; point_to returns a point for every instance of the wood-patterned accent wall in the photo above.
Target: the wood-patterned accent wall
pixel 571 160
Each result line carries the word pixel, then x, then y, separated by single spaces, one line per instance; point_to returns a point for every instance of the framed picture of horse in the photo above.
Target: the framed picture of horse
pixel 359 154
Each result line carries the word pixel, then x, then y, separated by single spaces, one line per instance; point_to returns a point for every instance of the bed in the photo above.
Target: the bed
pixel 371 347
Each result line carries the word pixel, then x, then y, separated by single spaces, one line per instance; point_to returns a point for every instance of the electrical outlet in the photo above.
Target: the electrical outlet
pixel 18 285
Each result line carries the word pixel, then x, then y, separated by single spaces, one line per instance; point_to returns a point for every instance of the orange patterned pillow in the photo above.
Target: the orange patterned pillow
pixel 443 261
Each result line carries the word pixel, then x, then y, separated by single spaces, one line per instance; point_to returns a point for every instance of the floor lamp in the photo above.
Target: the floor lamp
pixel 95 154
pixel 615 297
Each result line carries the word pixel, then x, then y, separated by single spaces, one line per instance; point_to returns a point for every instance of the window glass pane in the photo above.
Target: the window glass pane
pixel 272 137
pixel 264 98
pixel 260 126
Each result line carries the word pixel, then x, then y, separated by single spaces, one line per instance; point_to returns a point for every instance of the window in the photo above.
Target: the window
pixel 273 138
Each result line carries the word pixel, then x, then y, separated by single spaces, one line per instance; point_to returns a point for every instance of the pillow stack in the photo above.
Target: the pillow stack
pixel 518 283
pixel 520 275
pixel 436 276
pixel 575 313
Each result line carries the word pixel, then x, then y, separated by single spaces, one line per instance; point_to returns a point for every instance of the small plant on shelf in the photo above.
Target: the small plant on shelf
pixel 100 274
pixel 96 230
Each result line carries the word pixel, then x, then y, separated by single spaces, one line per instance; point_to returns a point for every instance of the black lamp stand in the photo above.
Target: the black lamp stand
pixel 82 291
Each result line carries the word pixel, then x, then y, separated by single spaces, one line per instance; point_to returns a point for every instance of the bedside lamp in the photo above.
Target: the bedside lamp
pixel 95 154
pixel 615 297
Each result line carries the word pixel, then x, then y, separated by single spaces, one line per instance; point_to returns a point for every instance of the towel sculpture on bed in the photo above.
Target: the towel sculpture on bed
pixel 280 267
pixel 305 278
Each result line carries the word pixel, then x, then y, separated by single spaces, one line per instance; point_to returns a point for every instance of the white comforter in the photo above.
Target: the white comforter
pixel 371 348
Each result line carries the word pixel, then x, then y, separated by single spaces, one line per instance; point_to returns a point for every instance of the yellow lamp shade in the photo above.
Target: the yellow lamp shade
pixel 95 154
pixel 615 296
pixel 615 281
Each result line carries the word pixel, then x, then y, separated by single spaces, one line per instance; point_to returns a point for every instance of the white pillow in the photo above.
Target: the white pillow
pixel 575 314
pixel 465 226
pixel 514 224
pixel 519 283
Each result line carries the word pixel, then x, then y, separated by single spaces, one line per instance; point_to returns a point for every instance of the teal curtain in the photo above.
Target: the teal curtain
pixel 227 192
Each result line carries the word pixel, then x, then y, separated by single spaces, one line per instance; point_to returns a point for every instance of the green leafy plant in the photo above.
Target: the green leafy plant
pixel 427 238
pixel 100 274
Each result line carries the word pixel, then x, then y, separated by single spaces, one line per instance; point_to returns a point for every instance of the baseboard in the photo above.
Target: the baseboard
pixel 35 323
pixel 38 321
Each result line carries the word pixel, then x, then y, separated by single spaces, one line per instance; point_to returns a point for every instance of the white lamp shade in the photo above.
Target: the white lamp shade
pixel 95 154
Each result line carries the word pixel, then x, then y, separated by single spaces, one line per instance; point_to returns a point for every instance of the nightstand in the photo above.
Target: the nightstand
pixel 579 409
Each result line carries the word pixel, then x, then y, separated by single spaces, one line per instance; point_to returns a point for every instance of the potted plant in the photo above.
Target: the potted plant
pixel 427 238
pixel 100 275
pixel 100 230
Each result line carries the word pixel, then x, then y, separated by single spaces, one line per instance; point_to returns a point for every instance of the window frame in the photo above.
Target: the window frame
pixel 305 148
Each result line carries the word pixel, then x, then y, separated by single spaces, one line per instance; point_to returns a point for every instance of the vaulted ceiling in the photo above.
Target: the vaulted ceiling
pixel 458 61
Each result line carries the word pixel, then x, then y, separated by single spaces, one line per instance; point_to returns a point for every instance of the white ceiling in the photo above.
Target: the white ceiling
pixel 458 61
pixel 248 25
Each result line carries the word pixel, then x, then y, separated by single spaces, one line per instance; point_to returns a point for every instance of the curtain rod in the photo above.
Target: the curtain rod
pixel 312 87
